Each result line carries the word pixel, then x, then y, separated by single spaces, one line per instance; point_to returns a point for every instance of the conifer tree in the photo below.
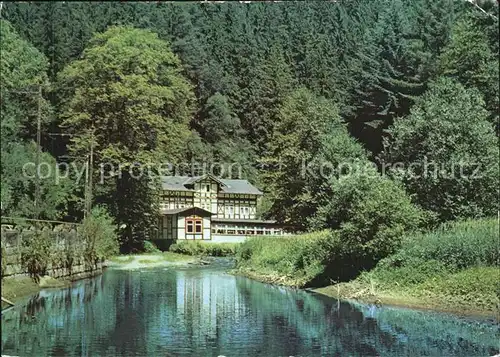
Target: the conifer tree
pixel 469 59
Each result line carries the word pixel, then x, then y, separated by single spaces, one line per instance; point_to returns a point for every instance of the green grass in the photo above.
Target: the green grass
pixel 204 249
pixel 123 259
pixel 175 257
pixel 15 288
pixel 289 260
pixel 467 283
pixel 150 247
pixel 454 267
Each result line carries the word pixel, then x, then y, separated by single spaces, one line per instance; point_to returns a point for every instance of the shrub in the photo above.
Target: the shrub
pixel 73 249
pixel 204 248
pixel 150 247
pixel 372 214
pixel 457 245
pixel 450 249
pixel 99 234
pixel 302 258
pixel 36 250
pixel 450 162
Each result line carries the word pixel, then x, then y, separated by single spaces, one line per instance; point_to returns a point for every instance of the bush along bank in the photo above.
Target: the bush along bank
pixel 288 260
pixel 454 268
pixel 65 251
pixel 364 223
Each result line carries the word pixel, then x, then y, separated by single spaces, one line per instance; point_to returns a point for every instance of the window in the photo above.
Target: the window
pixel 194 225
pixel 189 226
pixel 208 188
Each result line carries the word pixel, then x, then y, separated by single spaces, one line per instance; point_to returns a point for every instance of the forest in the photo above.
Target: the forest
pixel 399 98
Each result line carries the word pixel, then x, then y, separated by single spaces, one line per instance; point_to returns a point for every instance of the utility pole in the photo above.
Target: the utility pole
pixel 86 188
pixel 89 170
pixel 39 97
pixel 89 175
pixel 38 149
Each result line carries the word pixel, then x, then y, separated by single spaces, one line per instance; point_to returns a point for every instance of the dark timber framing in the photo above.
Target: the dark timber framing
pixel 205 206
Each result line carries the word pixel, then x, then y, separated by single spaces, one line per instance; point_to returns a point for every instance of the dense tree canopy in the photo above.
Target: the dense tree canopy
pixel 268 86
pixel 469 59
pixel 127 79
pixel 23 69
pixel 127 98
pixel 446 152
pixel 23 75
pixel 309 143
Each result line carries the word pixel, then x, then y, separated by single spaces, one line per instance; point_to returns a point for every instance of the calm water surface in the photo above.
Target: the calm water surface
pixel 206 312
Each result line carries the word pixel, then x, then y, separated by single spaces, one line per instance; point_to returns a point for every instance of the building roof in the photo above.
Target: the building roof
pixel 183 183
pixel 240 220
pixel 182 210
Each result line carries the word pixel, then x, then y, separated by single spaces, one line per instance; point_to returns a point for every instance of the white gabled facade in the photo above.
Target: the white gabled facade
pixel 208 208
pixel 207 194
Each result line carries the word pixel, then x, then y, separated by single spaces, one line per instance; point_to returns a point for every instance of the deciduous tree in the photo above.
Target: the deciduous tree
pixel 445 152
pixel 127 95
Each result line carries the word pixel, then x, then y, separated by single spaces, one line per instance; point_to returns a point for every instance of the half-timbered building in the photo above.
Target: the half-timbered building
pixel 211 209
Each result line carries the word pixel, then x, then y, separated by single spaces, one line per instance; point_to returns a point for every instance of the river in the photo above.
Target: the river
pixel 207 312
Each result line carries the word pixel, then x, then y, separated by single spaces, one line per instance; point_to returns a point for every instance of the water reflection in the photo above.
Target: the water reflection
pixel 205 312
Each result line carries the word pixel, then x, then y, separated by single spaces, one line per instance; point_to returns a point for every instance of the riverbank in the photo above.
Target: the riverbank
pixel 151 260
pixel 454 268
pixel 277 322
pixel 18 287
pixel 455 293
pixel 452 293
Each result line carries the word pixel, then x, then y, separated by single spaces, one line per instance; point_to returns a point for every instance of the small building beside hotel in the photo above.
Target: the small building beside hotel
pixel 211 209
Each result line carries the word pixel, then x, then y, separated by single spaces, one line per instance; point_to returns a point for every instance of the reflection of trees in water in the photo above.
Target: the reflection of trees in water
pixel 53 320
pixel 134 306
pixel 359 329
pixel 194 314
pixel 436 332
pixel 192 311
